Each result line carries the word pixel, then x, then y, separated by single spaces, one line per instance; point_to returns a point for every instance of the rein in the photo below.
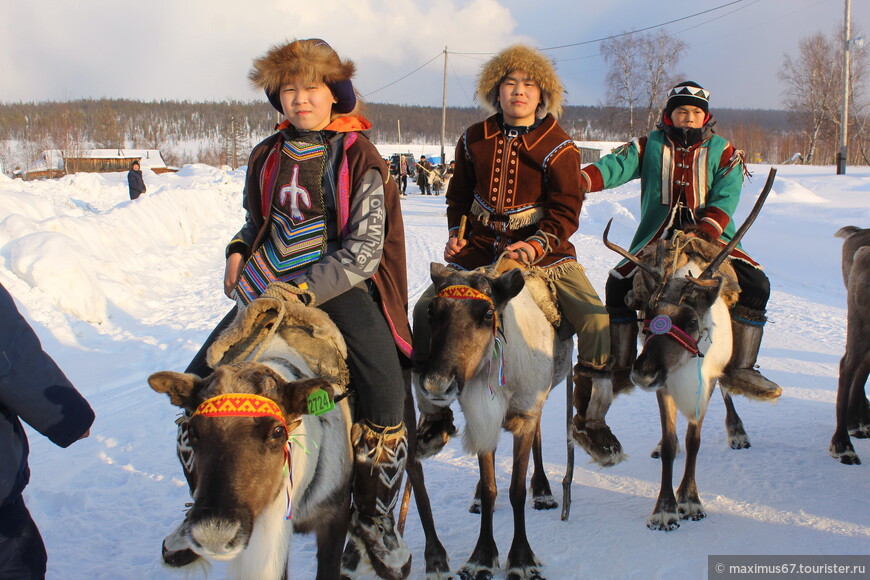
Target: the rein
pixel 663 325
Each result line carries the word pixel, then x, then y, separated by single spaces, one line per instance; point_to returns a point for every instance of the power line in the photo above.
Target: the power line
pixel 440 54
pixel 581 43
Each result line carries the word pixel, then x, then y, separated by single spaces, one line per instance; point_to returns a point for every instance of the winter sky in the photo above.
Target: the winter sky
pixel 202 50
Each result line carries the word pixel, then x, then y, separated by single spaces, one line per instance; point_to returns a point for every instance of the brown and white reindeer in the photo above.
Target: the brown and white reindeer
pixel 260 465
pixel 494 350
pixel 684 288
pixel 853 409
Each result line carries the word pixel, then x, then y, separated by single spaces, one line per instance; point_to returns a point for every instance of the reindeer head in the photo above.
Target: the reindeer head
pixel 241 416
pixel 464 318
pixel 675 291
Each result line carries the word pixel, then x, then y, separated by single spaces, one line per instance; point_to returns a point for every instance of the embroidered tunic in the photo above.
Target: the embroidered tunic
pixel 512 188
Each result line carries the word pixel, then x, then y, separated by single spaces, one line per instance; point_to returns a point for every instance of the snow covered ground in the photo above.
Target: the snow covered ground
pixel 117 290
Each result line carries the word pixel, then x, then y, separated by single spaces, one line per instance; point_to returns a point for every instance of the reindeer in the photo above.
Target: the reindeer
pixel 262 465
pixel 684 288
pixel 494 350
pixel 853 409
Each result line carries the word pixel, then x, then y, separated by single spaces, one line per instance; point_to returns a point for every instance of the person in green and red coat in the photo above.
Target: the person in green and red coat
pixel 691 179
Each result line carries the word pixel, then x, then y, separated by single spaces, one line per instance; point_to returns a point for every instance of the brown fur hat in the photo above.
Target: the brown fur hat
pixel 531 61
pixel 310 59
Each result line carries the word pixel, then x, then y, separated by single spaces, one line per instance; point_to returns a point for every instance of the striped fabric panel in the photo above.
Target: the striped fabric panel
pixel 283 256
pixel 302 151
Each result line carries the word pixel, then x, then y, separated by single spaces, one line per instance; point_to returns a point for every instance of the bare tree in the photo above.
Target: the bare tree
pixel 814 90
pixel 640 70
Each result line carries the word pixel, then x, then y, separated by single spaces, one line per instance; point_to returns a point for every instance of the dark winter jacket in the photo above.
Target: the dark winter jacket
pixel 34 389
pixel 137 184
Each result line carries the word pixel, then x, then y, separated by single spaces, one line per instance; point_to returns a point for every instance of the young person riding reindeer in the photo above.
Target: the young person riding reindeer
pixel 517 180
pixel 691 181
pixel 323 215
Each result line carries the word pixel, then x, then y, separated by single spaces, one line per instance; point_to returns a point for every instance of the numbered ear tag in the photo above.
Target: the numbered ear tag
pixel 319 403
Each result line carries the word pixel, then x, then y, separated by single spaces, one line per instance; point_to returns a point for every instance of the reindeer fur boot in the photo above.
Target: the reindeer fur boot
pixel 740 375
pixel 623 349
pixel 593 395
pixel 379 463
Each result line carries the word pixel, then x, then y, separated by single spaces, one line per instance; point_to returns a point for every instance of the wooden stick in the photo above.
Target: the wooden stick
pixel 462 223
pixel 569 469
pixel 403 508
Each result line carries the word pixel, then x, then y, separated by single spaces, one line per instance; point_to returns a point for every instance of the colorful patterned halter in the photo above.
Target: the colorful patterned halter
pixel 462 292
pixel 663 325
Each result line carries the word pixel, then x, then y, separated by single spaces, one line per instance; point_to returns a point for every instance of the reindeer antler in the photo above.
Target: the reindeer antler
pixel 756 209
pixel 629 256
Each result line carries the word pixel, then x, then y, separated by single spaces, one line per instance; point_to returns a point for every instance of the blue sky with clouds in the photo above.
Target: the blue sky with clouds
pixel 197 49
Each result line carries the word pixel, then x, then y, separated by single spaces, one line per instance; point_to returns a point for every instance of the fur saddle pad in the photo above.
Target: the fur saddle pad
pixel 536 282
pixel 308 330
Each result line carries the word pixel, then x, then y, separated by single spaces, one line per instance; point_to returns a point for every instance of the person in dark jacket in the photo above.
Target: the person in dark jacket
pixel 34 389
pixel 134 179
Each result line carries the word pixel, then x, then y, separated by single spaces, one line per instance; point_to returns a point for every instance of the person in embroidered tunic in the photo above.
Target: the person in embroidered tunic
pixel 691 179
pixel 517 180
pixel 324 214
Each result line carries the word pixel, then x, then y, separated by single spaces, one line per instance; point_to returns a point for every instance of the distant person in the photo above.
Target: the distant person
pixel 135 181
pixel 33 389
pixel 690 181
pixel 403 173
pixel 423 170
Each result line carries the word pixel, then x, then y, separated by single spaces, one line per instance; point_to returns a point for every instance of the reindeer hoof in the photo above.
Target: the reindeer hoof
pixel 663 522
pixel 469 572
pixel 692 512
pixel 845 454
pixel 739 441
pixel 544 502
pixel 860 431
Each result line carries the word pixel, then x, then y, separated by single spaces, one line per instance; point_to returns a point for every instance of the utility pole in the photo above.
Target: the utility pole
pixel 844 121
pixel 399 131
pixel 444 110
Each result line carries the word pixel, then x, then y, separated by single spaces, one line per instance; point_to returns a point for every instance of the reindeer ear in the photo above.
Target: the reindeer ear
pixel 508 285
pixel 438 271
pixel 295 394
pixel 704 295
pixel 179 386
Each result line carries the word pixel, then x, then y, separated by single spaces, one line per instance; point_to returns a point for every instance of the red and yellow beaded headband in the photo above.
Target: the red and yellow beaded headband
pixel 462 292
pixel 240 405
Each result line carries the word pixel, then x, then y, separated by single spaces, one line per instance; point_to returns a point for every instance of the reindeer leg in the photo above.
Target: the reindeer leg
pixel 437 565
pixel 330 541
pixel 483 562
pixel 521 562
pixel 665 516
pixel 688 500
pixel 841 445
pixel 542 496
pixel 859 409
pixel 737 437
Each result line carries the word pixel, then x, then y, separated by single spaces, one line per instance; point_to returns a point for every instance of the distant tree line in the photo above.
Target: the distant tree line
pixel 223 133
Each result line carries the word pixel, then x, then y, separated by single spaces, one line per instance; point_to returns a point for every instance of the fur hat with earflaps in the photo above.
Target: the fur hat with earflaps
pixel 529 60
pixel 310 59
